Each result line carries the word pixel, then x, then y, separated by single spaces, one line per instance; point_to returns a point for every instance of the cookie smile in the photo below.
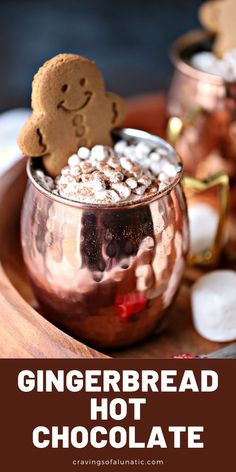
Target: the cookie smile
pixel 88 97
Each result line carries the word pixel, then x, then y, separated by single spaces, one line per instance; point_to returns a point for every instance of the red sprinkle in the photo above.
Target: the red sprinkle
pixel 130 304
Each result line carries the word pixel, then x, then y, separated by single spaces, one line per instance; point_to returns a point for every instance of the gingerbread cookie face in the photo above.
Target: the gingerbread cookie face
pixel 70 109
pixel 218 17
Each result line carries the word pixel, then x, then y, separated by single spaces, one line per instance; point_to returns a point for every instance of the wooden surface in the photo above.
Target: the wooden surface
pixel 25 333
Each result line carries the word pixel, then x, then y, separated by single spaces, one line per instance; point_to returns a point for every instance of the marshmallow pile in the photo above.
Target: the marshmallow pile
pixel 224 68
pixel 105 175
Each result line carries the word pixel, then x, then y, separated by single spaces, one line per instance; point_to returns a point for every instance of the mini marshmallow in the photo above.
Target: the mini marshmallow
pixel 163 152
pixel 145 163
pixel 99 153
pixel 142 149
pixel 132 183
pixel 66 179
pixel 107 170
pixel 144 180
pixel 162 177
pixel 155 167
pixel 73 160
pixel 98 182
pixel 154 156
pixel 116 177
pixel 213 299
pixel 75 171
pixel 108 197
pixel 83 152
pixel 113 162
pixel 40 174
pixel 168 168
pixel 129 151
pixel 123 190
pixel 140 190
pixel 126 163
pixel 66 170
pixel 120 146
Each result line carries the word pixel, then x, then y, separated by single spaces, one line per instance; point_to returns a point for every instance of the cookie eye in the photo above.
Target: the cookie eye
pixel 64 88
pixel 82 82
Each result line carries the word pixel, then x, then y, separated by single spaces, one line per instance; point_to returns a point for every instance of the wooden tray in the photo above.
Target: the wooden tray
pixel 25 333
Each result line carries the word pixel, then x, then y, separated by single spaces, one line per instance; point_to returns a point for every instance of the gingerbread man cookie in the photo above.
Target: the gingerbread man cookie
pixel 70 109
pixel 218 17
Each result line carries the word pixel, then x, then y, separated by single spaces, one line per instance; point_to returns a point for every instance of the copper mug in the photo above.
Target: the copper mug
pixel 106 275
pixel 202 110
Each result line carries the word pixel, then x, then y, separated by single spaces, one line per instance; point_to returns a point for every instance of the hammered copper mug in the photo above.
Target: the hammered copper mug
pixel 202 110
pixel 106 275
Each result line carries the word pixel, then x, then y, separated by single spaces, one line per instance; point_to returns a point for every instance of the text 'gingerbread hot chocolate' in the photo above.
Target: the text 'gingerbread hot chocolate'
pixel 70 109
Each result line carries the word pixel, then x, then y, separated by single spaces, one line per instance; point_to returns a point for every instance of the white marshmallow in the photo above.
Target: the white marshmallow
pixel 142 149
pixel 140 190
pixel 108 196
pixel 145 163
pixel 113 162
pixel 39 173
pixel 144 180
pixel 120 146
pixel 116 177
pixel 75 171
pixel 73 160
pixel 99 153
pixel 213 299
pixel 168 168
pixel 162 177
pixel 132 183
pixel 130 151
pixel 126 163
pixel 162 151
pixel 66 170
pixel 123 190
pixel 203 221
pixel 155 167
pixel 99 183
pixel 83 152
pixel 154 156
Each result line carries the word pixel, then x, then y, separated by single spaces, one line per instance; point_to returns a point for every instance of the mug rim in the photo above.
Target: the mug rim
pixel 177 48
pixel 126 134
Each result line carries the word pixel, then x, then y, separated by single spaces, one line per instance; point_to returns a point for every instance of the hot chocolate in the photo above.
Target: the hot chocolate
pixel 110 176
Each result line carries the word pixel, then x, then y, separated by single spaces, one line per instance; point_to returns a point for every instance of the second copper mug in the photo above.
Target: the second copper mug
pixel 106 275
pixel 202 110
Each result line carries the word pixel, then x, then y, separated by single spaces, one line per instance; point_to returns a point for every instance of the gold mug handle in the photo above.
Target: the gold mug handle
pixel 175 127
pixel 212 254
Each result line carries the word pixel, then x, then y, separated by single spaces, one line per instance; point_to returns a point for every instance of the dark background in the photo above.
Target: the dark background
pixel 129 40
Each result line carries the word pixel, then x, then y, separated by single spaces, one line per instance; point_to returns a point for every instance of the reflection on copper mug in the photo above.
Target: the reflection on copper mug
pixel 202 108
pixel 106 275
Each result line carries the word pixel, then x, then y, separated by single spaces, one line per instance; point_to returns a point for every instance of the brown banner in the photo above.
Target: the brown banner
pixel 31 420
